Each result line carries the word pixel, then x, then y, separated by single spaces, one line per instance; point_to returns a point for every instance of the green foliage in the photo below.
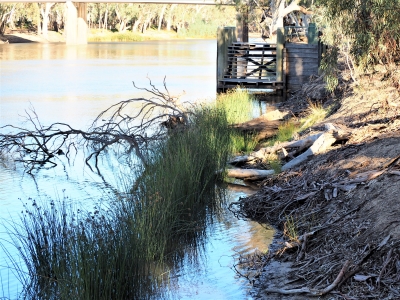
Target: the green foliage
pixel 286 131
pixel 329 68
pixel 290 229
pixel 238 106
pixel 371 27
pixel 243 143
pixel 275 165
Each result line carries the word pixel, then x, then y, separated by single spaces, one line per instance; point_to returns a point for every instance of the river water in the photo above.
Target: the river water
pixel 73 84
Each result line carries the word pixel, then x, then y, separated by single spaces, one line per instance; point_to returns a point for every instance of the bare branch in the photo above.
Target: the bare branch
pixel 129 125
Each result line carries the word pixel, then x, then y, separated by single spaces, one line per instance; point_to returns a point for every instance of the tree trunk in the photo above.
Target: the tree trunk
pixel 170 15
pixel 279 11
pixel 161 16
pixel 146 22
pixel 3 20
pixel 106 17
pixel 277 8
pixel 136 24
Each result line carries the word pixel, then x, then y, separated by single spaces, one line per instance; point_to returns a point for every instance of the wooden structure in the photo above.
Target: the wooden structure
pixel 302 61
pixel 252 65
pixel 283 66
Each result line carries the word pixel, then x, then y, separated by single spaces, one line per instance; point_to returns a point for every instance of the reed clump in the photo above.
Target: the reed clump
pixel 238 105
pixel 122 251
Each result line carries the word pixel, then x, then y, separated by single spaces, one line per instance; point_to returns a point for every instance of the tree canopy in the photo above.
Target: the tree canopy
pixel 370 27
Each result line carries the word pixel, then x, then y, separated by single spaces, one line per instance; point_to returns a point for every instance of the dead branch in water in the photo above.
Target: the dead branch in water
pixel 129 125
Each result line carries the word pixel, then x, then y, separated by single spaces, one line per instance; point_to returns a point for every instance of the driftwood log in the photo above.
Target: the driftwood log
pixel 252 174
pixel 322 143
pixel 316 144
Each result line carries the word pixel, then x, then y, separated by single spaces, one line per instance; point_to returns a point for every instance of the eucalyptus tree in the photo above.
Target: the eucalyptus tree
pixel 125 13
pixel 370 27
pixel 6 12
pixel 271 13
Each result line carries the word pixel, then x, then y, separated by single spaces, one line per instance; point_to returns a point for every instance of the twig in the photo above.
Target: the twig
pixel 314 292
pixel 384 265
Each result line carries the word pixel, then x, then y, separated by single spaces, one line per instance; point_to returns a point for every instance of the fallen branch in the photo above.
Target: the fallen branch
pixel 332 135
pixel 322 143
pixel 264 152
pixel 130 125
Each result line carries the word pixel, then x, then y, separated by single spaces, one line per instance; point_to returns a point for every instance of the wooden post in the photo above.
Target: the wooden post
pixel 242 27
pixel 225 37
pixel 312 35
pixel 280 41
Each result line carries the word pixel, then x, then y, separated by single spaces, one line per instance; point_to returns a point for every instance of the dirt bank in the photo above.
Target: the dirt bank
pixel 339 211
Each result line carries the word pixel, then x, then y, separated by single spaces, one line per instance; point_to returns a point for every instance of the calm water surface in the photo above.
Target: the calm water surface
pixel 72 84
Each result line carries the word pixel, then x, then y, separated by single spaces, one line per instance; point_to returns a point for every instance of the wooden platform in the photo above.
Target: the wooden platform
pixel 251 65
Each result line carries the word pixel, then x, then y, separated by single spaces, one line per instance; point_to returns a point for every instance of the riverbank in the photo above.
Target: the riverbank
pixel 24 36
pixel 338 210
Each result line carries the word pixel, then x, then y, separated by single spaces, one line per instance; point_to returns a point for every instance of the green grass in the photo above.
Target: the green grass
pixel 199 29
pixel 316 113
pixel 238 104
pixel 243 143
pixel 286 131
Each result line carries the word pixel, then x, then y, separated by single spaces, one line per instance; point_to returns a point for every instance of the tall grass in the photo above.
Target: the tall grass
pixel 199 29
pixel 122 252
pixel 238 105
pixel 286 131
pixel 315 114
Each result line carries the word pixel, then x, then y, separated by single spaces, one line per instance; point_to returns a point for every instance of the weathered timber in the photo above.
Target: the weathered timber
pixel 250 65
pixel 302 62
pixel 252 174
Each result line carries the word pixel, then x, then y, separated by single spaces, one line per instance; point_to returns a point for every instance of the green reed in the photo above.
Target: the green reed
pixel 238 105
pixel 123 251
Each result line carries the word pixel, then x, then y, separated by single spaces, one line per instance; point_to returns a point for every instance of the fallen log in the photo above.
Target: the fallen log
pixel 263 152
pixel 322 143
pixel 253 174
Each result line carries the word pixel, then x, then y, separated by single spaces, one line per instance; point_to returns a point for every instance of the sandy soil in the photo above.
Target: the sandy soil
pixel 346 201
